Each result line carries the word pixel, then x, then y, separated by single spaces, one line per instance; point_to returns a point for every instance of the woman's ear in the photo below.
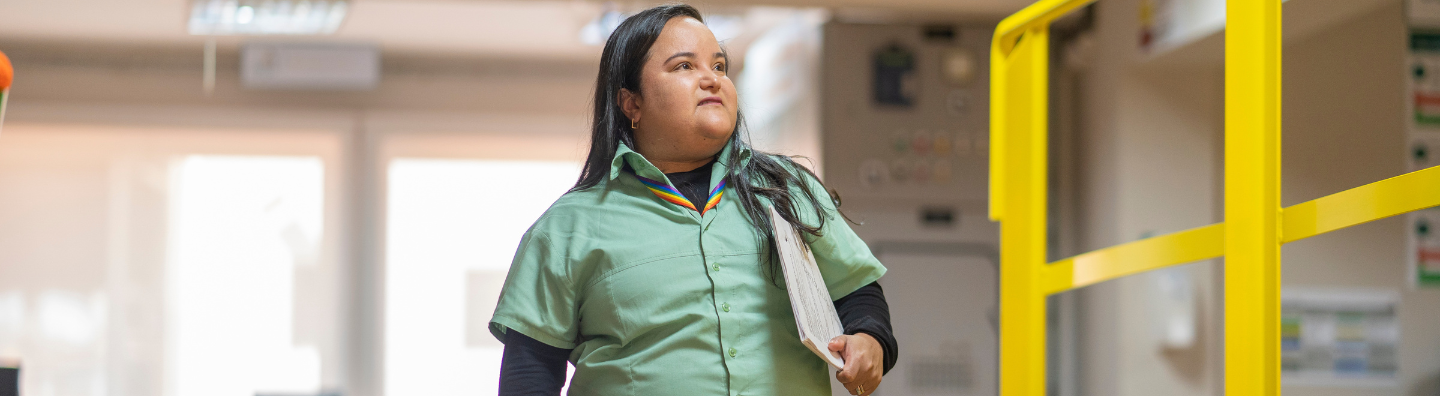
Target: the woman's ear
pixel 630 104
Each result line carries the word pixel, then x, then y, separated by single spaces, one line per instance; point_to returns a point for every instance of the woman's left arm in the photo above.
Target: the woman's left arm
pixel 866 312
pixel 869 347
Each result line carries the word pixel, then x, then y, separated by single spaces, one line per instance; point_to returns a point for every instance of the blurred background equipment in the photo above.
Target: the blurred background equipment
pixel 905 123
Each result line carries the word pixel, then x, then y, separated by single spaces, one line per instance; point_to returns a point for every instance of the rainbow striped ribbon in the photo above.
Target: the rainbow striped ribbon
pixel 670 194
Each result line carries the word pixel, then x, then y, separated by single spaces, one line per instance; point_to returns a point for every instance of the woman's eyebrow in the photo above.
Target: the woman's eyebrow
pixel 679 54
pixel 692 55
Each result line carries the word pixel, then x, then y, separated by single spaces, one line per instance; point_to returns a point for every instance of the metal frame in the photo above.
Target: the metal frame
pixel 1250 238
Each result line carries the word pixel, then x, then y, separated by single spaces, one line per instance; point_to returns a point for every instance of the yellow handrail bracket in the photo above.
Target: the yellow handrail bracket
pixel 1250 238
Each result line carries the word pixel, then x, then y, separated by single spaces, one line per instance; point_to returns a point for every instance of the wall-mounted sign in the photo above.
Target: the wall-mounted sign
pixel 1339 337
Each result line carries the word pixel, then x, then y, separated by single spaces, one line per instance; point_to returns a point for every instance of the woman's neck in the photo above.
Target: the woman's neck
pixel 680 166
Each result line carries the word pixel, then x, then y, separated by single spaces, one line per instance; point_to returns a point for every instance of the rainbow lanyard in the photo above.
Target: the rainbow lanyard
pixel 670 194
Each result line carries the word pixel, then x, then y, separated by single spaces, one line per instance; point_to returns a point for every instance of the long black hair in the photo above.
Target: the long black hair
pixel 764 175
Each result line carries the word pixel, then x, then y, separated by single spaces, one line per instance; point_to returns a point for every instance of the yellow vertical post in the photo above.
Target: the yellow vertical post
pixel 1018 129
pixel 1252 197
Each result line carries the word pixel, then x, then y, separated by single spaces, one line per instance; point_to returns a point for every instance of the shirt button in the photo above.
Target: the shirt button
pixel 714 267
pixel 733 352
pixel 725 307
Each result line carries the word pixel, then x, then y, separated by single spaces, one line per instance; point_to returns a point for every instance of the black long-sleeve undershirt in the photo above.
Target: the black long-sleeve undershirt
pixel 533 368
pixel 530 367
pixel 865 311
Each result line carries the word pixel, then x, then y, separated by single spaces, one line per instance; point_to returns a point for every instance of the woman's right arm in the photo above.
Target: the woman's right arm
pixel 536 318
pixel 531 368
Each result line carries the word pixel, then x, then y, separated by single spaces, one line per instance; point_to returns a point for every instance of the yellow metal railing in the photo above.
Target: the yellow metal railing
pixel 1255 225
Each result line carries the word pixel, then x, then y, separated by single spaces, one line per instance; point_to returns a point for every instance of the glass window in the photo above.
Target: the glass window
pixel 241 227
pixel 452 228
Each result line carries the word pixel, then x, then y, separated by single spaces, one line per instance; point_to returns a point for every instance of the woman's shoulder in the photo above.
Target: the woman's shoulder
pixel 568 208
pixel 577 211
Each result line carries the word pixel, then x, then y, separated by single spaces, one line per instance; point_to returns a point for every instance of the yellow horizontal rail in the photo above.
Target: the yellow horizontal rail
pixel 1397 195
pixel 1400 194
pixel 1130 258
pixel 1039 14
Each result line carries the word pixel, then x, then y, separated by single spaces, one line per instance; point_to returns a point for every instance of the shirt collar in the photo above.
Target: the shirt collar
pixel 624 155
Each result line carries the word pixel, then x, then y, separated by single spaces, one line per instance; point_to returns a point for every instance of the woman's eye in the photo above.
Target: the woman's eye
pixel 683 66
pixel 720 67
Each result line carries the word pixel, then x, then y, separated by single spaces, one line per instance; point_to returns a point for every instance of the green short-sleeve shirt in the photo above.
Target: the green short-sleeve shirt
pixel 656 299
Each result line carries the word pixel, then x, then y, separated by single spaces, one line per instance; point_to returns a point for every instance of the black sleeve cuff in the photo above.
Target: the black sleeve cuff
pixel 865 311
pixel 530 367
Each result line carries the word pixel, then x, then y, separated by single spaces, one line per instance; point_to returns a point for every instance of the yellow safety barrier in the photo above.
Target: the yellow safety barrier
pixel 1127 259
pixel 1255 225
pixel 1397 195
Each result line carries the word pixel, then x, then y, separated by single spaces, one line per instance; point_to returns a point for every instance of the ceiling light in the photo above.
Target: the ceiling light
pixel 265 17
pixel 598 30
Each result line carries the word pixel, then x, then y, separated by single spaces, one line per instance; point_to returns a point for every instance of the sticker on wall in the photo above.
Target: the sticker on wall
pixel 1422 248
pixel 895 83
pixel 1425 79
pixel 1423 255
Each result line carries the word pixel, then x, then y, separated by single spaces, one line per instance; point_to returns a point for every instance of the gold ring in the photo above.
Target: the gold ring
pixel 860 390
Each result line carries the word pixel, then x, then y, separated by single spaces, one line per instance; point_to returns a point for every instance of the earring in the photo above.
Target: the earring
pixel 632 125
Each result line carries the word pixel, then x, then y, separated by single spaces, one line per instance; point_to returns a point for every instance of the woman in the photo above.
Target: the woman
pixel 656 274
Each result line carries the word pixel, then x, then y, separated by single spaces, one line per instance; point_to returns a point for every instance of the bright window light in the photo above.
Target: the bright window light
pixel 452 228
pixel 257 17
pixel 239 227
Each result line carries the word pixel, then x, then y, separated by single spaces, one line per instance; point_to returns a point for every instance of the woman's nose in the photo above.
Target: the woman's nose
pixel 710 81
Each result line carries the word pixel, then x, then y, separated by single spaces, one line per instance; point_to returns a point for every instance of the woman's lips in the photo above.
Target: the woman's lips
pixel 713 100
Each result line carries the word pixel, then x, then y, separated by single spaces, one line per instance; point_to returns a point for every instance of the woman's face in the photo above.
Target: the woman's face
pixel 687 106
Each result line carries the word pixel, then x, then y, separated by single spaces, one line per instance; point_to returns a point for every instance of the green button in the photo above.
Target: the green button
pixel 725 307
pixel 715 267
pixel 732 352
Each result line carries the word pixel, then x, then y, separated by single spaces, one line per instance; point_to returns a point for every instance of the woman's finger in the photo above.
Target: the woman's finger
pixel 846 375
pixel 837 344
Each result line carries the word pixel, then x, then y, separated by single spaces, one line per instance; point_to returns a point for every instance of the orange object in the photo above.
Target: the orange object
pixel 7 72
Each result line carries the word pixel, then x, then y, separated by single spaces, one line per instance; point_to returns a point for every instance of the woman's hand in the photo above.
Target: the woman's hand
pixel 864 362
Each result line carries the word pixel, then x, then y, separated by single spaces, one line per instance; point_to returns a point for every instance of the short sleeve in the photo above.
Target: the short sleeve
pixel 844 259
pixel 538 299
